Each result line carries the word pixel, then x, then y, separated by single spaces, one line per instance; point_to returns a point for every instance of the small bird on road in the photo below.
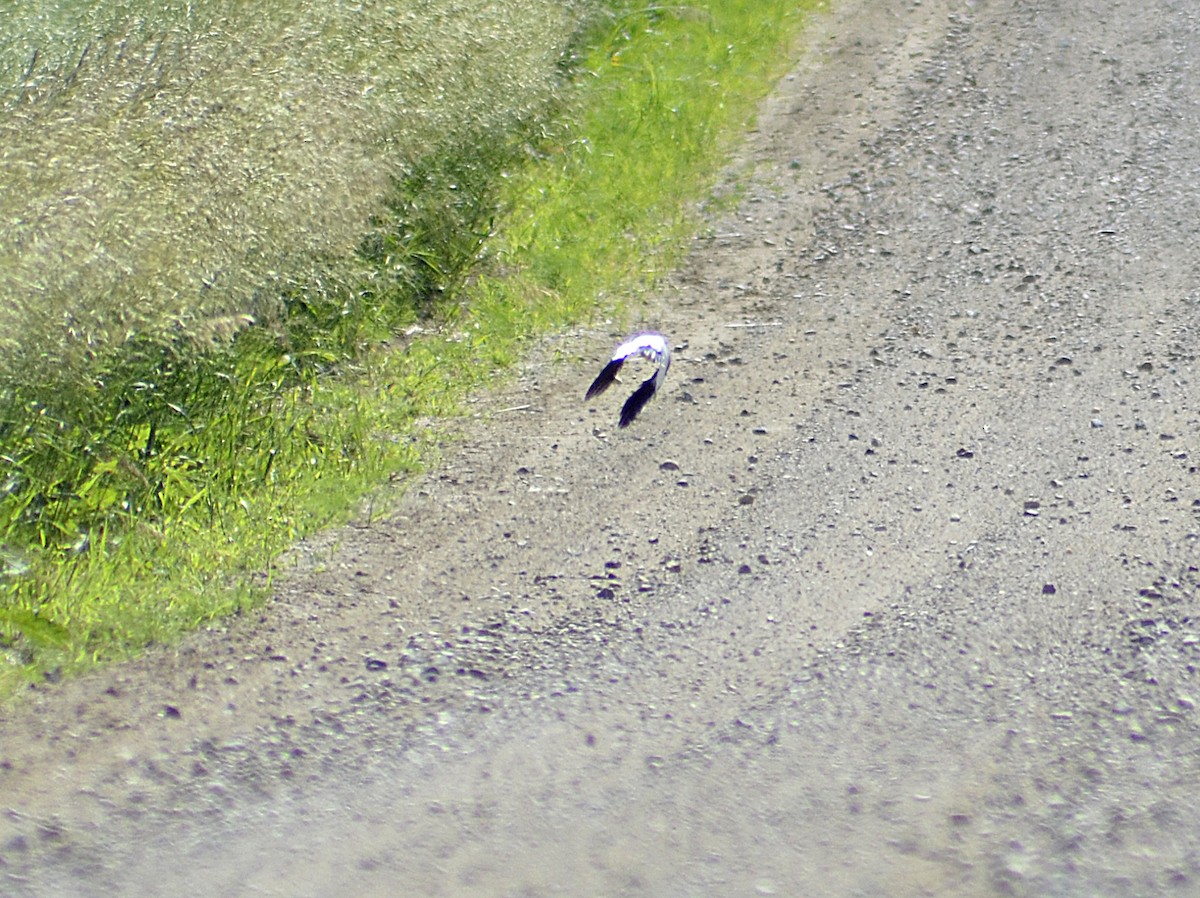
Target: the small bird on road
pixel 650 346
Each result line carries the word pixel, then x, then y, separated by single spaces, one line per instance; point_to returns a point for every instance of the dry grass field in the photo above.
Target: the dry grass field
pixel 170 169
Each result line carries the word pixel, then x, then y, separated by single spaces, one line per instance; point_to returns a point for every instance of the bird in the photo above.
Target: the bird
pixel 649 345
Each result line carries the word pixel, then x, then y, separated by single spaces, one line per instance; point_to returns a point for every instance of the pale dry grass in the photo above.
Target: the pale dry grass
pixel 167 165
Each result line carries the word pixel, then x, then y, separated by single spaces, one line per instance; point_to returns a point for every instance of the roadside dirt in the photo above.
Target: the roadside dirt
pixel 892 592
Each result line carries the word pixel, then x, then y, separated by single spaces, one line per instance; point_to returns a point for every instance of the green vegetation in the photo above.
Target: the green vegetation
pixel 231 340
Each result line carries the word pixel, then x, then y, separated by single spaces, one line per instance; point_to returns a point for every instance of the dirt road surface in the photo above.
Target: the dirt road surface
pixel 893 591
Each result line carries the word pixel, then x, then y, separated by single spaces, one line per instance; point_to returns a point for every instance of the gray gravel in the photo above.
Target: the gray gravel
pixel 893 591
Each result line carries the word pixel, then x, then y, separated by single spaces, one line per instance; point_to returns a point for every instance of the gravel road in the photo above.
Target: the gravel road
pixel 892 592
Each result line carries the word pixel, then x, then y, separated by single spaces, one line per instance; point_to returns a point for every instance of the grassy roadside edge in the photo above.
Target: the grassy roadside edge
pixel 607 208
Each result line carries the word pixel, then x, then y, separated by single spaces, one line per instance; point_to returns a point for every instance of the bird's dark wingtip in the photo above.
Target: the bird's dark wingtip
pixel 636 402
pixel 604 379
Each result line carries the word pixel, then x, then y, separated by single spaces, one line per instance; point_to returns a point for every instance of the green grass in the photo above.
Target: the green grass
pixel 154 491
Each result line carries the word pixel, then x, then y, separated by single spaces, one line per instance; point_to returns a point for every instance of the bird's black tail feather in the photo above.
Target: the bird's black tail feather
pixel 637 402
pixel 605 379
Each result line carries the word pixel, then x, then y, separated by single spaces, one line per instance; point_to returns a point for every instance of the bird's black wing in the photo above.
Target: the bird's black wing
pixel 605 379
pixel 637 401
